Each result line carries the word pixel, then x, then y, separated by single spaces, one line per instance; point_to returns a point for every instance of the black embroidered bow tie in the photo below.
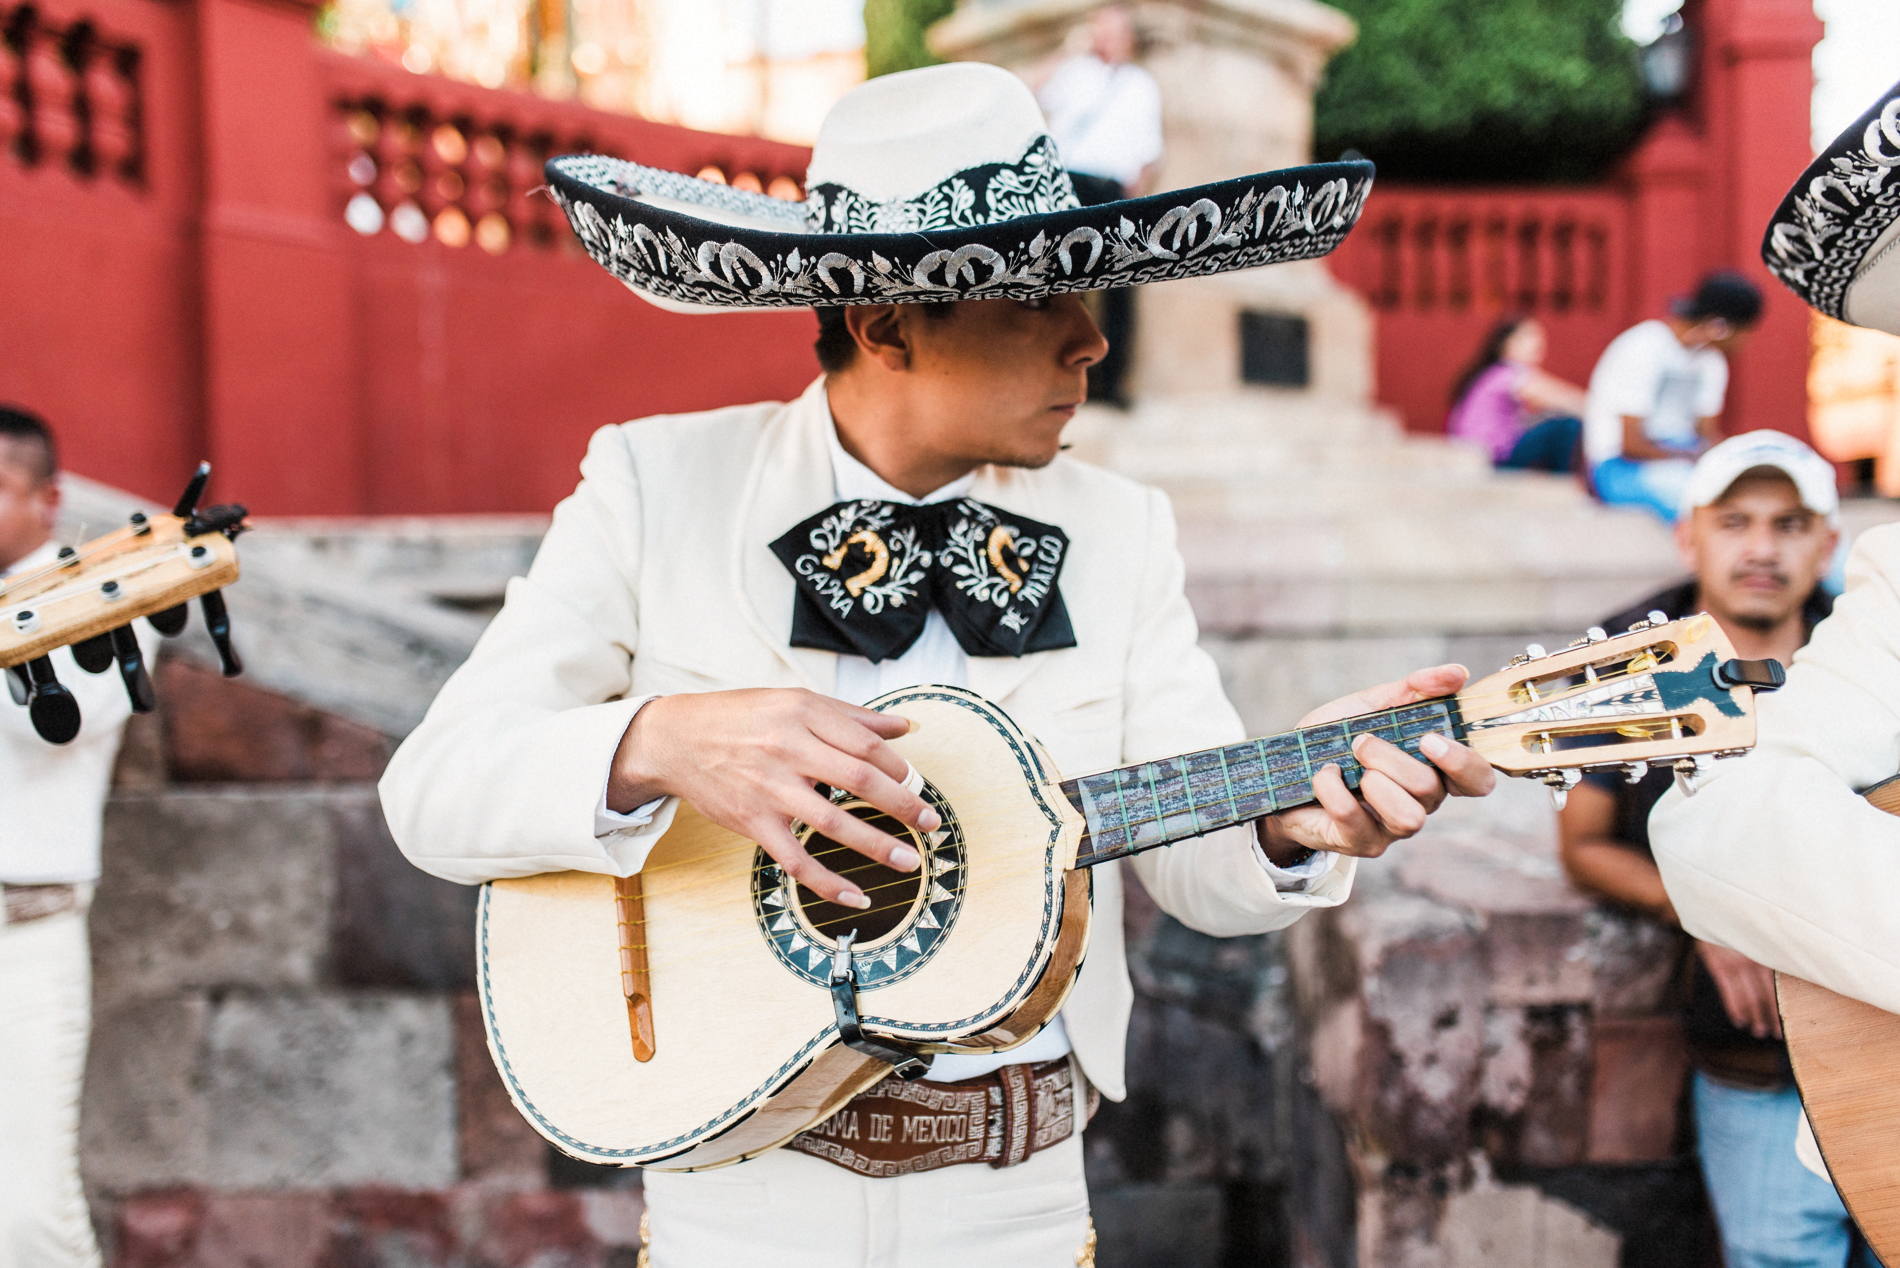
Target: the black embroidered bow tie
pixel 869 572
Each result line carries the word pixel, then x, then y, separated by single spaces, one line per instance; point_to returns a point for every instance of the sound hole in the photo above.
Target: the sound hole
pixel 892 893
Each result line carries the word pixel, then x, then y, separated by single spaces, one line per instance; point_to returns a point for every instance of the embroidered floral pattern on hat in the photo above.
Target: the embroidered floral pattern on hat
pixel 1034 185
pixel 958 254
pixel 1819 238
pixel 869 572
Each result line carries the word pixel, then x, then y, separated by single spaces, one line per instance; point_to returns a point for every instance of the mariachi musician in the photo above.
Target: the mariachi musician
pixel 671 642
pixel 1778 857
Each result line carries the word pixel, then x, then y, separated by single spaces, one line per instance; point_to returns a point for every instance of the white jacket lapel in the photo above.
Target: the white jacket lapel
pixel 790 481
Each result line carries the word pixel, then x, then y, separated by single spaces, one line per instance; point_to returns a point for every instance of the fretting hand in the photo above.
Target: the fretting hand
pixel 748 760
pixel 1397 792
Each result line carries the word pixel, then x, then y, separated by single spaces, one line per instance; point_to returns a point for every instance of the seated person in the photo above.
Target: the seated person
pixel 1656 393
pixel 1506 404
pixel 1757 530
pixel 1778 857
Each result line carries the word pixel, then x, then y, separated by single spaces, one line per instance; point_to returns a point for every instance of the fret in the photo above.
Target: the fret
pixel 1150 804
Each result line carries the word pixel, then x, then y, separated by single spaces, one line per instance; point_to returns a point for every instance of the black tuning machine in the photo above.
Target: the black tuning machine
pixel 51 705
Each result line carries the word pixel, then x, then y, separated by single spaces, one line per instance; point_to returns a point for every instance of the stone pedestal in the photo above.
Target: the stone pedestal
pixel 1237 80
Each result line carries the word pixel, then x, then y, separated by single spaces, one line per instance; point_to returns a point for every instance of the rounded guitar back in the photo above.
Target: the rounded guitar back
pixel 1843 1053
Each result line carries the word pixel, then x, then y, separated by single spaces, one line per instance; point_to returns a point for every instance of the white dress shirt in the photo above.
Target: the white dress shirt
pixel 936 657
pixel 53 794
pixel 1106 120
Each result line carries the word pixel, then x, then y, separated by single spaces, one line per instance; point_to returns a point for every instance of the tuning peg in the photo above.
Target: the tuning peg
pixel 1535 651
pixel 1657 617
pixel 141 526
pixel 94 654
pixel 227 518
pixel 19 686
pixel 172 621
pixel 218 625
pixel 54 712
pixel 1633 772
pixel 1595 634
pixel 138 683
pixel 1688 775
pixel 188 501
pixel 1762 675
pixel 1560 782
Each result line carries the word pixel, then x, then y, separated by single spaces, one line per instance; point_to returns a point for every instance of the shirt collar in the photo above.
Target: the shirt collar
pixel 852 481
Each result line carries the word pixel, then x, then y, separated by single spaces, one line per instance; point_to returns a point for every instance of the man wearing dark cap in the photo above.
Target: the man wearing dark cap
pixel 1657 392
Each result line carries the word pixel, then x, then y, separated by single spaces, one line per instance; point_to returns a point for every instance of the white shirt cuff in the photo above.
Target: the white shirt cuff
pixel 1300 877
pixel 629 838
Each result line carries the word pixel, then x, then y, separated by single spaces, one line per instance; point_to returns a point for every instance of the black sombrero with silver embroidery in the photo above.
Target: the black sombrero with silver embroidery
pixel 936 184
pixel 1835 240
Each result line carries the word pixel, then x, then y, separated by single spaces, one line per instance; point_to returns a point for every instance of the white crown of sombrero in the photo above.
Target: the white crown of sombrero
pixel 1835 240
pixel 930 185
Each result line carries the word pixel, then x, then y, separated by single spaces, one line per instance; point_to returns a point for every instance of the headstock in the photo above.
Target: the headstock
pixel 1665 692
pixel 88 598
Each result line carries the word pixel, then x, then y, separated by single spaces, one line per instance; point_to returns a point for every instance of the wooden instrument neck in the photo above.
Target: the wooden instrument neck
pixel 1152 804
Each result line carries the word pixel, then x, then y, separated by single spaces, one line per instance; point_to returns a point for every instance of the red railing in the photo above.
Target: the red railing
pixel 334 278
pixel 1441 266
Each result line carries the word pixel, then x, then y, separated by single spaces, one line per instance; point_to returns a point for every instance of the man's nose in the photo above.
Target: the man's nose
pixel 1087 345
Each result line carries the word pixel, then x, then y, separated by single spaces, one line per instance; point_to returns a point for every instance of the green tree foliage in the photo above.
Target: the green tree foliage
pixel 894 34
pixel 1481 90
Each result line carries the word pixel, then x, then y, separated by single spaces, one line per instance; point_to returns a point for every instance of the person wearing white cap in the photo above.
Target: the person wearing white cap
pixel 691 631
pixel 1778 856
pixel 1759 522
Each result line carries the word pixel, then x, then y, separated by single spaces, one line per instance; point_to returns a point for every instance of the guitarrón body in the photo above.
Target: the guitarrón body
pixel 699 1013
pixel 738 1017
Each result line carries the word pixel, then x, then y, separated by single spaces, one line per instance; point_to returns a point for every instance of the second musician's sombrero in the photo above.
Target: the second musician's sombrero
pixel 931 185
pixel 1835 240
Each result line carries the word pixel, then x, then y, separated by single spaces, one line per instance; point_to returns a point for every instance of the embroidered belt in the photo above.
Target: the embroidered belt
pixel 896 1128
pixel 35 902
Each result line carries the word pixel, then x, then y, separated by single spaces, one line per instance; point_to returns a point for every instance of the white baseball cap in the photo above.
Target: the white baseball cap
pixel 1721 466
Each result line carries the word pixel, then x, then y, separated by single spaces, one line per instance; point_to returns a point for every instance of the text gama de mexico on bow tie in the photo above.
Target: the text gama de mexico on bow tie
pixel 868 573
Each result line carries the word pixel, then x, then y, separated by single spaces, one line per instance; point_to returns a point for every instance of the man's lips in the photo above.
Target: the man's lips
pixel 1762 581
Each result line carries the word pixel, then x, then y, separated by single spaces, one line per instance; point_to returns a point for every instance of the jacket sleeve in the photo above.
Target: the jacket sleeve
pixel 1777 856
pixel 1174 704
pixel 506 771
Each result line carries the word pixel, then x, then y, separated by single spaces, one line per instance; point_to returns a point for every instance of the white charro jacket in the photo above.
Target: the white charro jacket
pixel 1777 856
pixel 655 578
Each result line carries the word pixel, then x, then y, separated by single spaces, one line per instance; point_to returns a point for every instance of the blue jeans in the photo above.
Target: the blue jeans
pixel 1656 485
pixel 1773 1212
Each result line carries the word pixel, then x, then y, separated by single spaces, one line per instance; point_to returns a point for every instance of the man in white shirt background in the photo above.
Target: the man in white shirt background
pixel 1657 391
pixel 1104 112
pixel 51 799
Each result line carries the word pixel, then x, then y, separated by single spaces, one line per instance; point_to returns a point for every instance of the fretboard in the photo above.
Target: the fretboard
pixel 1153 804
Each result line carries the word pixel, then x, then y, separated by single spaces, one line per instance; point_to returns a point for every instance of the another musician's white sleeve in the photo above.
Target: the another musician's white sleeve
pixel 504 775
pixel 1777 856
pixel 1173 703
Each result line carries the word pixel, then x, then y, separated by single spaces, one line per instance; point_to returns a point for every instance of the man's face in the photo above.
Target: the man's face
pixel 1757 553
pixel 28 503
pixel 998 379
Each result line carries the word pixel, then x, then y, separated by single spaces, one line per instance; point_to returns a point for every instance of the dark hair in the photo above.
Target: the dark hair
pixel 1489 354
pixel 835 346
pixel 1725 294
pixel 25 428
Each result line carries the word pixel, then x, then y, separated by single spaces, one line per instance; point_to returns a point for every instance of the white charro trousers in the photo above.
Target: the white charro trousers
pixel 791 1210
pixel 45 1013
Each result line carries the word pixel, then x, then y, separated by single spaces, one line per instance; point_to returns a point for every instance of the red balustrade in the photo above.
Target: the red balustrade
pixel 336 279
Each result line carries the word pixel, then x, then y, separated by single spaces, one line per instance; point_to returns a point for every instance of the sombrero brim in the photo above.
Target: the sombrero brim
pixel 646 227
pixel 1835 239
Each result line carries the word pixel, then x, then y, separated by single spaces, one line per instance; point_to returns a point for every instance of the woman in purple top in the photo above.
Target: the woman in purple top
pixel 1508 406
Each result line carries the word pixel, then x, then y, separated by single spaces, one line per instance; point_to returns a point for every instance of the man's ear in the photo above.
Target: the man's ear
pixel 1685 545
pixel 49 502
pixel 879 334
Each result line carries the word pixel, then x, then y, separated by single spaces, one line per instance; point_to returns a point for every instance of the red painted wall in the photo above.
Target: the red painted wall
pixel 204 297
pixel 1441 265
